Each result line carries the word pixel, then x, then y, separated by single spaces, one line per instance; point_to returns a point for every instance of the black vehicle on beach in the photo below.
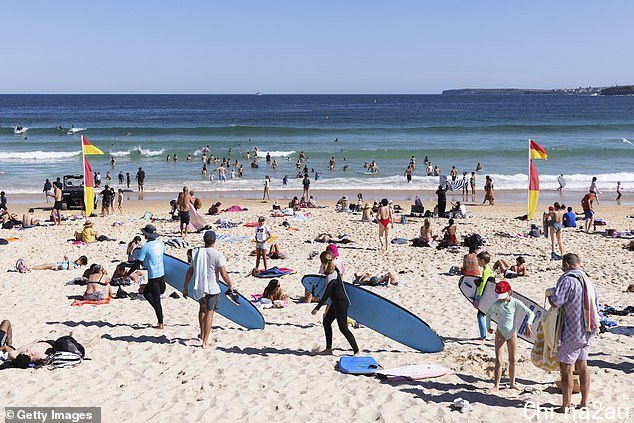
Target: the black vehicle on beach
pixel 73 192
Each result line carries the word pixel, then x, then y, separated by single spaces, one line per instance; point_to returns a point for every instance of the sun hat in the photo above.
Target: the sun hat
pixel 503 288
pixel 87 223
pixel 149 231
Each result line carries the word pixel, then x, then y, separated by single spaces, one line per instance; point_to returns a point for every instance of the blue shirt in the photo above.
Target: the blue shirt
pixel 570 220
pixel 152 257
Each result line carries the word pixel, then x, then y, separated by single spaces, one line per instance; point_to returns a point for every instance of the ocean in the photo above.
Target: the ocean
pixel 582 134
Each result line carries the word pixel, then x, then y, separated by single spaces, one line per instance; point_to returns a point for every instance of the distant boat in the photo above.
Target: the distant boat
pixel 19 130
pixel 258 93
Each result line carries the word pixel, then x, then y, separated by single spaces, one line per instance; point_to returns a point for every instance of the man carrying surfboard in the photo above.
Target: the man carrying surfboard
pixel 207 265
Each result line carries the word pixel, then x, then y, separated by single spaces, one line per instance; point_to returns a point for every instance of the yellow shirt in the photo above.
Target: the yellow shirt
pixel 88 235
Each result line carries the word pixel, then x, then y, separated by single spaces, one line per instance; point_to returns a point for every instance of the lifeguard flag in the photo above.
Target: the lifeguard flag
pixel 536 151
pixel 533 190
pixel 89 188
pixel 88 147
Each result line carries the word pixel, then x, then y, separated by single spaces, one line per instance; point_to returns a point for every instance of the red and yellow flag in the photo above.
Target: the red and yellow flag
pixel 533 190
pixel 88 148
pixel 89 188
pixel 536 151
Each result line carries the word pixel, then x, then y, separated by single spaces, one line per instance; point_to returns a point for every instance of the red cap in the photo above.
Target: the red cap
pixel 502 288
pixel 551 207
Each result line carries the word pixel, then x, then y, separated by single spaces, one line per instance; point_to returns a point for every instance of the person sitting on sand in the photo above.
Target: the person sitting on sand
pixel 366 213
pixel 65 264
pixel 9 220
pixel 470 262
pixel 342 204
pixel 518 269
pixel 311 203
pixel 97 277
pixel 274 291
pixel 450 234
pixel 215 208
pixel 569 219
pixel 426 234
pixel 120 276
pixel 506 308
pixel 87 234
pixel 294 204
pixel 28 220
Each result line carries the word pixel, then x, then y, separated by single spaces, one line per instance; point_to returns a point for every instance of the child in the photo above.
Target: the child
pixel 262 235
pixel 518 269
pixel 506 308
pixel 483 261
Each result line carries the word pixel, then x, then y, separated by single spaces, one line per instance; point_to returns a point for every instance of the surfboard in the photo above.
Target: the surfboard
pixel 468 288
pixel 382 316
pixel 243 313
pixel 413 372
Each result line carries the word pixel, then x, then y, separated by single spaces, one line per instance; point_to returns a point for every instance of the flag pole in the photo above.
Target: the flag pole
pixel 528 187
pixel 83 171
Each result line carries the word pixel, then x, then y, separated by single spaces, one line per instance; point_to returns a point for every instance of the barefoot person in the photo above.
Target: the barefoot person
pixel 151 256
pixel 262 236
pixel 576 295
pixel 506 308
pixel 384 216
pixel 182 203
pixel 207 266
pixel 338 309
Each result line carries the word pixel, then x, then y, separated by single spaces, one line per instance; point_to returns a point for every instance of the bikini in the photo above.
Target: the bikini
pixel 385 222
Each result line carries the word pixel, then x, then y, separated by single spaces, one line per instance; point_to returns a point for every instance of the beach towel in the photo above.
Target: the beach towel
pixel 274 272
pixel 399 241
pixel 457 185
pixel 590 310
pixel 79 303
pixel 177 243
pixel 5 241
pixel 251 224
pixel 195 219
pixel 202 283
pixel 235 209
pixel 225 224
pixel 147 215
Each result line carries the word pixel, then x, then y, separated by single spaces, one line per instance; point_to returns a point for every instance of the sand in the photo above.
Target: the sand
pixel 136 373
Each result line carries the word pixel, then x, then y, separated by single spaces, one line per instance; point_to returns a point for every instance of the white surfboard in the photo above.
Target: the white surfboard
pixel 468 287
pixel 413 372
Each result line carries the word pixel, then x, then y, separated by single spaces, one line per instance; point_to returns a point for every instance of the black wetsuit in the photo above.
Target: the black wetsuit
pixel 338 310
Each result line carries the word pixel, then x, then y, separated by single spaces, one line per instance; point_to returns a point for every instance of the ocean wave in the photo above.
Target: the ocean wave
pixel 38 155
pixel 138 151
pixel 276 153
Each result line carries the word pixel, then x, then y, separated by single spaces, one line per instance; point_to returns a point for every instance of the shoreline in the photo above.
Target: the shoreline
pixel 568 197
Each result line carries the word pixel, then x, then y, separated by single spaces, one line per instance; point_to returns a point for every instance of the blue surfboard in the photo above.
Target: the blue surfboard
pixel 382 316
pixel 243 312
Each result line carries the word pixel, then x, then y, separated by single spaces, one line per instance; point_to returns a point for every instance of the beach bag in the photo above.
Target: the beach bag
pixel 61 359
pixel 543 358
pixel 70 345
pixel 21 267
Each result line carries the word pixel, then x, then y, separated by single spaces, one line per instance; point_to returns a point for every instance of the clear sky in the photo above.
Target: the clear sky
pixel 299 46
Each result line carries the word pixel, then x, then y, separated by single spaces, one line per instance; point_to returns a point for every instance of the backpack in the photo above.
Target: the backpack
pixel 69 344
pixel 21 267
pixel 61 359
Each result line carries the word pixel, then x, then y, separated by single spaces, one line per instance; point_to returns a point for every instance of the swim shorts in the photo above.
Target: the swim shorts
pixel 58 205
pixel 184 217
pixel 261 246
pixel 569 354
pixel 588 214
pixel 210 301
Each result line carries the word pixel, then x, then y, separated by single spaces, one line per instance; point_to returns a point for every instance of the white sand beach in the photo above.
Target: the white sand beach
pixel 137 373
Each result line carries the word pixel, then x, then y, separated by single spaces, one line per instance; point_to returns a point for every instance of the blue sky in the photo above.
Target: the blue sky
pixel 311 47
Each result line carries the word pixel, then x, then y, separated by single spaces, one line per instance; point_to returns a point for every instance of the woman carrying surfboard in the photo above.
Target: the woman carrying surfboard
pixel 338 309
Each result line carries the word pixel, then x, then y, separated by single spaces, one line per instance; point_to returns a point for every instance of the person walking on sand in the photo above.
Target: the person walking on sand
pixel 555 219
pixel 595 189
pixel 619 193
pixel 140 179
pixel 561 181
pixel 306 185
pixel 588 209
pixel 182 204
pixel 267 187
pixel 484 258
pixel 506 309
pixel 207 266
pixel 262 236
pixel 151 257
pixel 576 296
pixel 488 191
pixel 384 216
pixel 338 309
pixel 47 188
